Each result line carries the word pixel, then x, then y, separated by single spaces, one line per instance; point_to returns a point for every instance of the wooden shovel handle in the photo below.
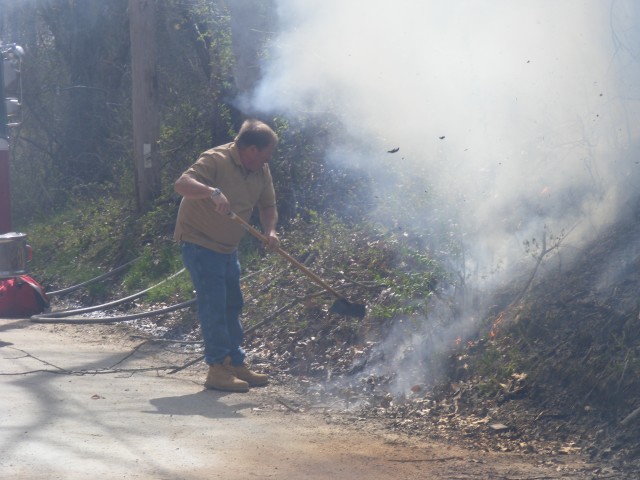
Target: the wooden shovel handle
pixel 285 255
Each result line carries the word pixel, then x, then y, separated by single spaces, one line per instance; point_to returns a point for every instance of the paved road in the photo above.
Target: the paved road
pixel 150 426
pixel 81 424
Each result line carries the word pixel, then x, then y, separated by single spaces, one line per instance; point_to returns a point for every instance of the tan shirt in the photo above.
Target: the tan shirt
pixel 220 167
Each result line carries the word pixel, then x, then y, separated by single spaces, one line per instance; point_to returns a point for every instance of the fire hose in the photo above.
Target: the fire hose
pixel 64 291
pixel 64 316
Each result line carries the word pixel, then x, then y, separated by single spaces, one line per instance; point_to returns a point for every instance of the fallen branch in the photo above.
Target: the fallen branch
pixel 367 285
pixel 281 401
pixel 186 365
pixel 631 417
pixel 97 371
pixel 411 460
pixel 166 340
pixel 130 354
pixel 28 355
pixel 105 371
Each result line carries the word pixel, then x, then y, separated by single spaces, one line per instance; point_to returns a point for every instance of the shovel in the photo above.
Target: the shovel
pixel 341 306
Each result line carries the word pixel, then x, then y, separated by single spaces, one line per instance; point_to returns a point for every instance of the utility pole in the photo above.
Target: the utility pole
pixel 5 182
pixel 144 80
pixel 10 56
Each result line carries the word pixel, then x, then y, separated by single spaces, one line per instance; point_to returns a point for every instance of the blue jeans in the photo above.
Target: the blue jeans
pixel 216 278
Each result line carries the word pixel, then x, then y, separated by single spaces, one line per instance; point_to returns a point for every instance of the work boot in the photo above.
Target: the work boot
pixel 221 378
pixel 243 373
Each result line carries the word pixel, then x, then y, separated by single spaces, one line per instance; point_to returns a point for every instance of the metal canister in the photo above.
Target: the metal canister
pixel 14 253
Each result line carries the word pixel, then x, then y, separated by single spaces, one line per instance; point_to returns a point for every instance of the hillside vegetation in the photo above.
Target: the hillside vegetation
pixel 560 367
pixel 553 364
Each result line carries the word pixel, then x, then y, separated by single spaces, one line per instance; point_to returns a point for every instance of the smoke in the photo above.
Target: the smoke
pixel 521 116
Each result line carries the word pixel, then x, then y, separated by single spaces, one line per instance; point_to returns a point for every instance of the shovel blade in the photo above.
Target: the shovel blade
pixel 342 306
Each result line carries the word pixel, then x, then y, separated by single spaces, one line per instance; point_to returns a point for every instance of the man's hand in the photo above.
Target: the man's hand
pixel 269 219
pixel 272 243
pixel 222 203
pixel 189 187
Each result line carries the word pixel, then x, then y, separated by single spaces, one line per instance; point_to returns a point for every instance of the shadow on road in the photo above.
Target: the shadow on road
pixel 204 403
pixel 12 324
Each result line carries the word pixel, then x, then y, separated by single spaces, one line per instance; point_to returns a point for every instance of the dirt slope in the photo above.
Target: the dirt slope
pixel 558 373
pixel 566 368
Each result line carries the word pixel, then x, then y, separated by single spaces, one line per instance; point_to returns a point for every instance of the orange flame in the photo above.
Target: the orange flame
pixel 496 324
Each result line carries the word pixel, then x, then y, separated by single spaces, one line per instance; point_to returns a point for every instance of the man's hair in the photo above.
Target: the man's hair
pixel 255 132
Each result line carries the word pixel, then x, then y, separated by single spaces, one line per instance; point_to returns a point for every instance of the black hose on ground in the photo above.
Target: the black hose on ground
pixel 63 316
pixel 73 288
pixel 54 317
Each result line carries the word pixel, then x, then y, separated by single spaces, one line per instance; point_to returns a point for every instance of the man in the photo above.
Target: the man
pixel 230 178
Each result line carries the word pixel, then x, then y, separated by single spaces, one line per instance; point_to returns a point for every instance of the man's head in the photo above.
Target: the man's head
pixel 256 142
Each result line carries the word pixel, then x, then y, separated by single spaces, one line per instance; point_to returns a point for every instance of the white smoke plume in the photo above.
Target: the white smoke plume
pixel 522 114
pixel 535 99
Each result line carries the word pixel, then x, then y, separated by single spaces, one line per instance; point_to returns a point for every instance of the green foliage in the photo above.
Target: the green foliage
pixel 306 180
pixel 77 95
pixel 499 362
pixel 94 235
pixel 152 270
pixel 77 129
pixel 82 241
pixel 74 181
pixel 366 254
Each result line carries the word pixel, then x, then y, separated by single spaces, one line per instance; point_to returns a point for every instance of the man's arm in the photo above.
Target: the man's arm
pixel 269 220
pixel 192 189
